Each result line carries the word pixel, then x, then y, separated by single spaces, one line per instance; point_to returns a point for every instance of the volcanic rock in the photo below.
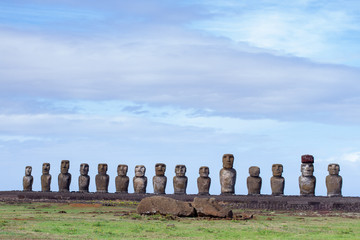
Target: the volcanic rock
pixel 209 207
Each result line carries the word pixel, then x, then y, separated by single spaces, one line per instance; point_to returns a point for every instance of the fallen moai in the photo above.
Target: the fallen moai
pixel 203 207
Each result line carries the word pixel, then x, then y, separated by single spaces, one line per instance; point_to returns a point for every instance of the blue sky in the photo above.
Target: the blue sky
pixel 182 82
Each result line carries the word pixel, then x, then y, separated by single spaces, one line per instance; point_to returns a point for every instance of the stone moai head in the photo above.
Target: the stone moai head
pixel 204 171
pixel 334 169
pixel 180 170
pixel 254 171
pixel 102 168
pixel 228 161
pixel 140 171
pixel 307 167
pixel 46 168
pixel 28 170
pixel 84 169
pixel 277 170
pixel 122 170
pixel 65 165
pixel 160 169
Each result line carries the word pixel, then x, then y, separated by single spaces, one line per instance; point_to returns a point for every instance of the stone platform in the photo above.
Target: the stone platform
pixel 348 204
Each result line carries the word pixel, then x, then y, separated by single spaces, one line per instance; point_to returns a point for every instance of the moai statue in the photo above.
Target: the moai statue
pixel 180 180
pixel 64 178
pixel 333 181
pixel 307 181
pixel 277 181
pixel 140 181
pixel 45 178
pixel 254 181
pixel 204 181
pixel 102 179
pixel 159 181
pixel 84 178
pixel 121 180
pixel 28 179
pixel 227 175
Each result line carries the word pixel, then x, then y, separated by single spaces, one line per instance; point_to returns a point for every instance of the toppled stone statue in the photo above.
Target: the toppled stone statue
pixel 121 180
pixel 28 179
pixel 307 181
pixel 159 180
pixel 180 180
pixel 64 178
pixel 277 181
pixel 227 175
pixel 84 178
pixel 254 181
pixel 334 181
pixel 209 207
pixel 45 178
pixel 204 181
pixel 140 181
pixel 165 206
pixel 102 179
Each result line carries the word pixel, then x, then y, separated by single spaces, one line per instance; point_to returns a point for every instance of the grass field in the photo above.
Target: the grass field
pixel 118 220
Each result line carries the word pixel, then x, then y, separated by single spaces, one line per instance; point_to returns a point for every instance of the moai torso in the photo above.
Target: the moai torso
pixel 307 181
pixel 121 180
pixel 84 178
pixel 64 178
pixel 28 179
pixel 254 181
pixel 159 180
pixel 277 181
pixel 180 180
pixel 140 181
pixel 334 181
pixel 204 181
pixel 45 178
pixel 102 179
pixel 227 175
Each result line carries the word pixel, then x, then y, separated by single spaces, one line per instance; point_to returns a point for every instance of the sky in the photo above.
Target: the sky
pixel 180 82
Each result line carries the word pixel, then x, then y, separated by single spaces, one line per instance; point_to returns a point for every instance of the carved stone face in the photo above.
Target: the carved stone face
pixel 334 169
pixel 65 164
pixel 84 169
pixel 122 170
pixel 46 168
pixel 180 170
pixel 102 168
pixel 160 169
pixel 307 169
pixel 228 161
pixel 277 170
pixel 28 170
pixel 204 171
pixel 254 171
pixel 140 171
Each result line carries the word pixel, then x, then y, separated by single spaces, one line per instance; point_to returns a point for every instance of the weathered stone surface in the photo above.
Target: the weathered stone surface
pixel 121 180
pixel 180 180
pixel 277 181
pixel 159 181
pixel 165 206
pixel 84 178
pixel 140 181
pixel 102 179
pixel 254 181
pixel 227 175
pixel 307 181
pixel 28 179
pixel 334 181
pixel 64 178
pixel 209 207
pixel 45 178
pixel 204 181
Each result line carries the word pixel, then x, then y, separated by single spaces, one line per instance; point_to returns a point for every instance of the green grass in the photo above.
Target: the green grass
pixel 118 220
